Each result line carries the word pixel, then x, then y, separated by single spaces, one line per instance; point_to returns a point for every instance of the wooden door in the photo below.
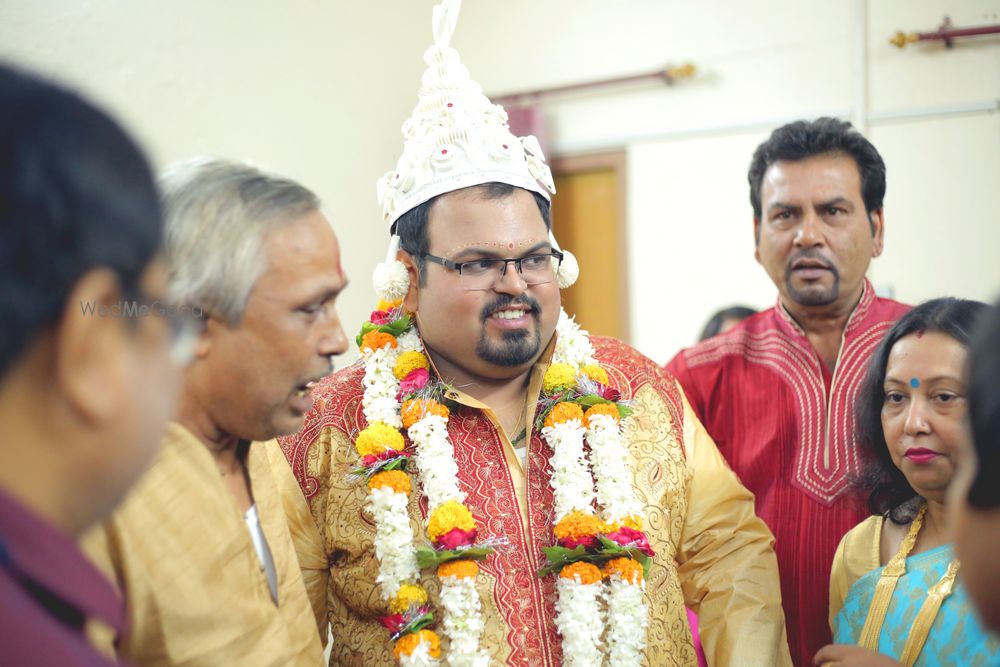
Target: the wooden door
pixel 588 217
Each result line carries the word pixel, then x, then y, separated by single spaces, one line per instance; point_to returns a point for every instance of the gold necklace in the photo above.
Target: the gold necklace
pixel 885 588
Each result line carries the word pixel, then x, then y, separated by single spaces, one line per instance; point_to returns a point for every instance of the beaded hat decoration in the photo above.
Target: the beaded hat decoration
pixel 455 138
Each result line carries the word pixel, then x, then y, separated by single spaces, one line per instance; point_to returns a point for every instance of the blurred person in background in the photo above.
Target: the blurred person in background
pixel 724 320
pixel 975 502
pixel 86 385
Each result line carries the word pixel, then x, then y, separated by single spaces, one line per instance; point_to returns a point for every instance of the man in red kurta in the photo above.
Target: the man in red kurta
pixel 777 392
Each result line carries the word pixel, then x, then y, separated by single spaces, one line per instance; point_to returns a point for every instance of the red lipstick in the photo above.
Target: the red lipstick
pixel 921 456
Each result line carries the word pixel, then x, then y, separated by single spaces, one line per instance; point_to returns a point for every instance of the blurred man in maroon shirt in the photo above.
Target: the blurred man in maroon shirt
pixel 88 358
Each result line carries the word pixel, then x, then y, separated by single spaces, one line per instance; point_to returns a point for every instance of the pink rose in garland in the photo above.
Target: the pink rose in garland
pixel 416 380
pixel 455 538
pixel 629 537
pixel 371 459
pixel 610 394
pixel 380 317
pixel 586 541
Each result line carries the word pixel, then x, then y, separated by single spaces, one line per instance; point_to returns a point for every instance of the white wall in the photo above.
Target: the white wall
pixel 318 90
pixel 761 64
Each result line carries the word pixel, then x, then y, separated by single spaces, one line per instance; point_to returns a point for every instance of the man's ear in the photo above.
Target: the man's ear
pixel 756 239
pixel 210 330
pixel 411 301
pixel 877 220
pixel 89 350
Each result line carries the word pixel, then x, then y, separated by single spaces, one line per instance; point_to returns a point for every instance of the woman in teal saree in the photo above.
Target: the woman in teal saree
pixel 896 593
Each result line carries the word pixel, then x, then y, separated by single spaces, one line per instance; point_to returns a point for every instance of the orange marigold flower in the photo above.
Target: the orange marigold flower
pixel 376 340
pixel 588 574
pixel 632 521
pixel 416 409
pixel 596 373
pixel 628 569
pixel 461 569
pixel 409 362
pixel 408 643
pixel 407 596
pixel 578 524
pixel 377 438
pixel 601 409
pixel 448 516
pixel 388 305
pixel 563 412
pixel 397 480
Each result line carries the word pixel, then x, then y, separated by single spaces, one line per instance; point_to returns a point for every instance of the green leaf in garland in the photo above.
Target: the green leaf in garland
pixel 559 557
pixel 427 557
pixel 590 400
pixel 397 328
pixel 417 624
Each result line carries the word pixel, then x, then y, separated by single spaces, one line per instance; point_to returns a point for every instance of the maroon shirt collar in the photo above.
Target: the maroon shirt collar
pixel 35 550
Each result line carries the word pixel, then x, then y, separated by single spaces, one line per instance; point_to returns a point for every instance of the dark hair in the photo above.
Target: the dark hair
pixel 412 225
pixel 984 409
pixel 804 139
pixel 889 492
pixel 75 194
pixel 714 324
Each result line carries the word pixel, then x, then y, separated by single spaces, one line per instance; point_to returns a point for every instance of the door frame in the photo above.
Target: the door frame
pixel 615 161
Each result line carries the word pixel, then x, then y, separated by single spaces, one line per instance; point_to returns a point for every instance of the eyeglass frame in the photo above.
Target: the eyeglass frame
pixel 457 266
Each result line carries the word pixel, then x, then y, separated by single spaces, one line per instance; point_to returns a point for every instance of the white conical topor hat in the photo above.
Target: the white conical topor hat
pixel 456 137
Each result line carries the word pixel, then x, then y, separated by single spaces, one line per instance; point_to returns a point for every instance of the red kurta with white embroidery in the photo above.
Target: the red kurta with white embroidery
pixel 785 424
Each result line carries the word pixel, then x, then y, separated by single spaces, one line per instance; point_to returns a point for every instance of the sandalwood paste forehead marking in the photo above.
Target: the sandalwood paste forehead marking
pixel 498 245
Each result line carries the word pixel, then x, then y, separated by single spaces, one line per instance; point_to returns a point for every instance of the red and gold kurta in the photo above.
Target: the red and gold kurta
pixel 712 552
pixel 785 423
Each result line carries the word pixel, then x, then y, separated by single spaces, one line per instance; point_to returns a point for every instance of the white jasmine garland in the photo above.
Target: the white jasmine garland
pixel 435 461
pixel 463 622
pixel 380 387
pixel 393 539
pixel 382 409
pixel 579 616
pixel 438 475
pixel 628 618
pixel 573 345
pixel 409 341
pixel 571 481
pixel 615 491
pixel 579 619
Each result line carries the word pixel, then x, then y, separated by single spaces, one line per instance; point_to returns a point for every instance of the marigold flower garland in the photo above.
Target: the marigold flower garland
pixel 398 393
pixel 578 408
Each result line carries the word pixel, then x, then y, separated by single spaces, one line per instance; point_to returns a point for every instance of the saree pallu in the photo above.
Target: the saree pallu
pixel 955 638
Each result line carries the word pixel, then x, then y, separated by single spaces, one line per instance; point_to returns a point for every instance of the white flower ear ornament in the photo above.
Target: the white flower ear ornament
pixel 569 270
pixel 390 277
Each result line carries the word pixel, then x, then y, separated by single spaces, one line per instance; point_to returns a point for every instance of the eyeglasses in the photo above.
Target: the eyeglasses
pixel 483 274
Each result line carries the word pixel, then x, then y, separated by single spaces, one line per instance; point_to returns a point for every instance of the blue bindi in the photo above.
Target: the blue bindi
pixel 914 382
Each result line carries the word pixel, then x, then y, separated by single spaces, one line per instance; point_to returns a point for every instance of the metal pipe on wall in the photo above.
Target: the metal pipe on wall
pixel 946 33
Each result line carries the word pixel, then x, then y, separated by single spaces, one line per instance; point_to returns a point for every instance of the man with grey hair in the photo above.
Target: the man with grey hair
pixel 208 548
